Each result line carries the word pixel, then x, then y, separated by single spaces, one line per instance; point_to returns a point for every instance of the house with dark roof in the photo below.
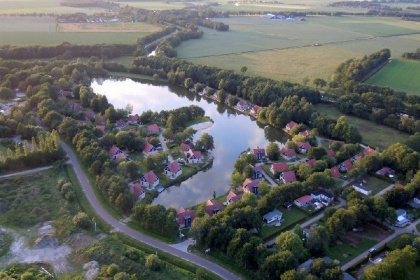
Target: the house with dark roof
pixel 149 180
pixel 358 186
pixel 242 105
pixel 304 201
pixel 323 196
pixel 250 186
pixel 386 172
pixel 173 170
pixel 288 154
pixel 288 177
pixel 232 197
pixel 213 207
pixel 185 217
pixel 153 129
pixel 137 190
pixel 279 167
pixel 149 149
pixel 258 153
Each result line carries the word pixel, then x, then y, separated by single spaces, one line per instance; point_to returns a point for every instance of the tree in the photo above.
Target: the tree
pixel 318 241
pixel 318 82
pixel 205 142
pixel 244 69
pixel 317 153
pixel 291 242
pixel 273 151
pixel 6 93
pixel 188 83
pixel 82 220
pixel 153 262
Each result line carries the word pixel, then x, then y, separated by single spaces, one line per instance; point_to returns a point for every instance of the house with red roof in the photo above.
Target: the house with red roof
pixel 185 217
pixel 149 149
pixel 232 197
pixel 288 154
pixel 101 119
pixel 345 165
pixel 114 151
pixel 194 156
pixel 331 153
pixel 153 129
pixel 120 157
pixel 133 119
pixel 101 127
pixel 258 153
pixel 149 180
pixel 335 172
pixel 250 186
pixel 279 167
pixel 369 151
pixel 185 148
pixel 254 110
pixel 305 133
pixel 303 201
pixel 120 123
pixel 288 177
pixel 137 190
pixel 213 207
pixel 173 170
pixel 386 171
pixel 311 162
pixel 290 125
pixel 304 147
pixel 356 158
pixel 242 105
pixel 257 172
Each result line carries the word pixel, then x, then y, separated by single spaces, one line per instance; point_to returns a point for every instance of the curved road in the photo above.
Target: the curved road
pixel 220 271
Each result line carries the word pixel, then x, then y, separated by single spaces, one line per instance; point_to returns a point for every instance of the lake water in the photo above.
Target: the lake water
pixel 233 133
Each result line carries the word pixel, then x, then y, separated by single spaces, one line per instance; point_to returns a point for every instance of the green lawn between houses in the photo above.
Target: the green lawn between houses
pixel 291 217
pixel 372 133
pixel 400 75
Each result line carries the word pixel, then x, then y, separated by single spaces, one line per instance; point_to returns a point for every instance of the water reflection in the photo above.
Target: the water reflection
pixel 232 133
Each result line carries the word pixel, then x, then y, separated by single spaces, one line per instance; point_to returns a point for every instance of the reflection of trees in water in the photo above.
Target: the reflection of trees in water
pixel 275 135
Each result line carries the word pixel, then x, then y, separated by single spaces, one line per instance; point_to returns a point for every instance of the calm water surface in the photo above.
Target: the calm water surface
pixel 232 133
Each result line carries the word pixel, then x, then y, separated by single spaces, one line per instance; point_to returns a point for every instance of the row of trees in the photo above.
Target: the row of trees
pixel 412 55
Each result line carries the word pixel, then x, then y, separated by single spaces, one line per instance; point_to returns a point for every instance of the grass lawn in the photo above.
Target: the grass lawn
pixel 347 251
pixel 402 75
pixel 373 134
pixel 291 217
pixel 374 184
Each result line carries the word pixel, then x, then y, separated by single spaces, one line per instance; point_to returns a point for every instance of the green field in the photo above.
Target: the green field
pixel 373 134
pixel 285 50
pixel 401 75
pixel 40 6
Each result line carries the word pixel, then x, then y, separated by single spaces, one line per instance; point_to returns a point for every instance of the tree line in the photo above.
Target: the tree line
pixel 412 55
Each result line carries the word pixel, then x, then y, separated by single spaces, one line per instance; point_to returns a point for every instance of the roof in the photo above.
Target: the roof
pixel 322 192
pixel 133 118
pixel 280 167
pixel 101 127
pixel 311 162
pixel 255 108
pixel 120 157
pixel 304 145
pixel 289 176
pixel 256 168
pixel 184 213
pixel 291 124
pixel 213 205
pixel 385 170
pixel 257 150
pixel 113 150
pixel 249 184
pixel 242 102
pixel 184 147
pixel 331 153
pixel 173 167
pixel 120 123
pixel 335 172
pixel 136 189
pixel 148 147
pixel 304 199
pixel 304 133
pixel 272 214
pixel 233 197
pixel 197 154
pixel 348 164
pixel 89 114
pixel 153 128
pixel 369 151
pixel 150 177
pixel 288 152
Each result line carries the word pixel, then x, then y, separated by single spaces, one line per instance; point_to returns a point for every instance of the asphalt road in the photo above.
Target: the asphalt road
pixel 220 271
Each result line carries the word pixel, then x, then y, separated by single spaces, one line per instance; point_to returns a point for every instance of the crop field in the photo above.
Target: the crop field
pixel 402 75
pixel 373 134
pixel 293 50
pixel 18 31
pixel 40 6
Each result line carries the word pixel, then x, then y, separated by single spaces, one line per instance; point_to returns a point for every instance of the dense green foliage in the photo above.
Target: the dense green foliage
pixel 412 55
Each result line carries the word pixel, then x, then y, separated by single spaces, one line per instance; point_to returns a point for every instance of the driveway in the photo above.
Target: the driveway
pixel 97 207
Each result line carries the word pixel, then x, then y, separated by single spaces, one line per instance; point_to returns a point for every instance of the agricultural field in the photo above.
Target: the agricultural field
pixel 293 50
pixel 20 31
pixel 373 134
pixel 400 75
pixel 40 6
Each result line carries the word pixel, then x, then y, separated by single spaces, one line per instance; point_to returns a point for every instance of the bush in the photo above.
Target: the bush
pixel 82 220
pixel 153 262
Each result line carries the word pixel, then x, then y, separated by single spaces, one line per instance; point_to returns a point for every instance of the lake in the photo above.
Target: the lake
pixel 233 133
